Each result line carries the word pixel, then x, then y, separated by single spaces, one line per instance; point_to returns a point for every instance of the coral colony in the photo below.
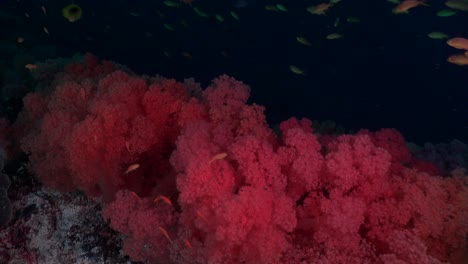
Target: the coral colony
pixel 191 175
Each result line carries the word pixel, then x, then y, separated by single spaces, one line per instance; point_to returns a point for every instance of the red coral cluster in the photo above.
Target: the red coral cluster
pixel 234 191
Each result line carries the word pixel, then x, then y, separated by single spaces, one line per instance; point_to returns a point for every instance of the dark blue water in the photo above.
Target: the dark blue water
pixel 384 72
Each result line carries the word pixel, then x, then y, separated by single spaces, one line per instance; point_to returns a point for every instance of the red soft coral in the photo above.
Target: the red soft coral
pixel 237 203
pixel 354 163
pixel 425 205
pixel 246 227
pixel 198 179
pixel 227 188
pixel 300 156
pixel 144 222
pixel 96 123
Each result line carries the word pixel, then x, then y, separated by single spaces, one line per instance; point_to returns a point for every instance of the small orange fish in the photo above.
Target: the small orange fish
pixel 135 195
pixel 458 59
pixel 320 9
pixel 132 168
pixel 20 39
pixel 218 157
pixel 202 216
pixel 188 244
pixel 458 43
pixel 30 66
pixel 164 198
pixel 406 5
pixel 164 232
pixel 46 30
pixel 44 10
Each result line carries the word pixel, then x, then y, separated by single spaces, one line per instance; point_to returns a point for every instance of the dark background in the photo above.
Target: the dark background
pixel 384 72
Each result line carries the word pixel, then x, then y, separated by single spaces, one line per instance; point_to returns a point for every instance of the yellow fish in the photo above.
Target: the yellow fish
pixel 303 41
pixel 296 70
pixel 72 12
pixel 334 36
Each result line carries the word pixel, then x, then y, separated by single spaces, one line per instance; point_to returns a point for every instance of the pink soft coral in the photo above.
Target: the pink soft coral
pixel 141 220
pixel 94 127
pixel 233 190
